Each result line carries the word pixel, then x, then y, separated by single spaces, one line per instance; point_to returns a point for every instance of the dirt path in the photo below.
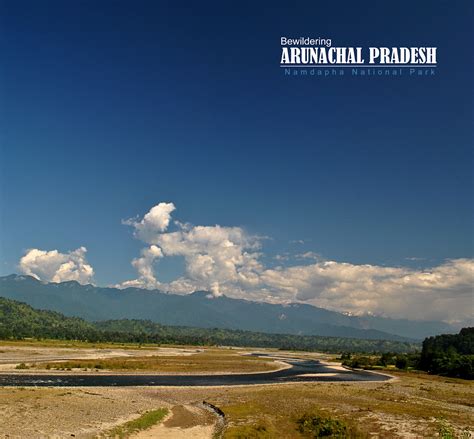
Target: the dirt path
pixel 184 421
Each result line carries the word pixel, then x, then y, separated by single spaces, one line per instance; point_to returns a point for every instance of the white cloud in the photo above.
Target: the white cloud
pixel 155 221
pixel 282 257
pixel 216 257
pixel 53 266
pixel 444 292
pixel 226 260
pixel 310 255
pixel 144 267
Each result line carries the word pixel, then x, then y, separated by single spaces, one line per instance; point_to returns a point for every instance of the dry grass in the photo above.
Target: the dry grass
pixel 211 361
pixel 416 405
pixel 30 342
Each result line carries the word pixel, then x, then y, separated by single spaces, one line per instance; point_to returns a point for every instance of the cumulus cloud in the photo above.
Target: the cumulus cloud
pixel 227 260
pixel 155 221
pixel 144 267
pixel 53 266
pixel 216 257
pixel 444 292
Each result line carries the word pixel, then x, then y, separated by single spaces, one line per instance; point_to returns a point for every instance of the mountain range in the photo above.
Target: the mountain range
pixel 200 309
pixel 20 321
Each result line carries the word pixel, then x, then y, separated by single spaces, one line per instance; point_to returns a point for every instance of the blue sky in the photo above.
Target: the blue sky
pixel 109 108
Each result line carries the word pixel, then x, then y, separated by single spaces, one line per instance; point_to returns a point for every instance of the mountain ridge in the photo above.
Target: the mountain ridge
pixel 197 309
pixel 20 321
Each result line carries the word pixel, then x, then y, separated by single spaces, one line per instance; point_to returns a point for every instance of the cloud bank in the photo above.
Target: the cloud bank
pixel 226 260
pixel 53 266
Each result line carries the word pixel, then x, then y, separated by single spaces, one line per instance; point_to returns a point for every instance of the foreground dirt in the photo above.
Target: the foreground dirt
pixel 90 413
pixel 74 412
pixel 412 406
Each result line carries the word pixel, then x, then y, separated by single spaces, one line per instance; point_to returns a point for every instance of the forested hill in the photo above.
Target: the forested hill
pixel 19 320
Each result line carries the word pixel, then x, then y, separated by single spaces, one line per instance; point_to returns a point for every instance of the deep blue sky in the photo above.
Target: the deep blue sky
pixel 109 107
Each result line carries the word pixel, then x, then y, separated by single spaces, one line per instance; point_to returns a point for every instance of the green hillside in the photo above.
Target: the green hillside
pixel 18 320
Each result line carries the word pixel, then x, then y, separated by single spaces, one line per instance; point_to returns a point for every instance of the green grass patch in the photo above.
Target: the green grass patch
pixel 145 421
pixel 317 425
pixel 446 431
pixel 252 431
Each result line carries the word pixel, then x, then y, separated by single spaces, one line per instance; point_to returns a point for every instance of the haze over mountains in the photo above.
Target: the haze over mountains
pixel 199 310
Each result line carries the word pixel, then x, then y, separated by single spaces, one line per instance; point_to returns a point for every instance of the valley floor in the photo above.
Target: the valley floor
pixel 414 405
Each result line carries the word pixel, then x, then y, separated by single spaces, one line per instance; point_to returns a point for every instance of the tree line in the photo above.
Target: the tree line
pixel 447 354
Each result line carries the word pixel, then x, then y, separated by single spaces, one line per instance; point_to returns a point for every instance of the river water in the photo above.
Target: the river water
pixel 296 373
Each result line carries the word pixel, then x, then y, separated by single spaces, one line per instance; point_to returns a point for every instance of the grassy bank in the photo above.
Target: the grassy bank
pixel 208 361
pixel 421 404
pixel 144 422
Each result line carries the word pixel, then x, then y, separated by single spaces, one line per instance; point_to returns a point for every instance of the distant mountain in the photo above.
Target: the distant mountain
pixel 198 310
pixel 19 320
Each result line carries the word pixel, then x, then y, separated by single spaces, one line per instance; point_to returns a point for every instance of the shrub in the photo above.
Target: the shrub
pixel 22 366
pixel 319 426
pixel 401 363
